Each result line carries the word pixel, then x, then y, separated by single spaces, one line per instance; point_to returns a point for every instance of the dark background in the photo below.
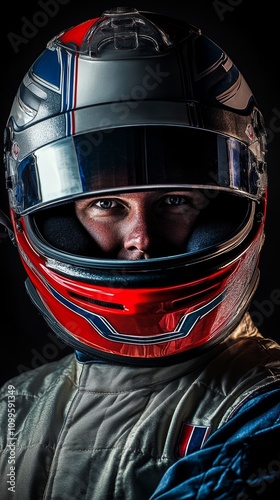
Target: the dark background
pixel 249 33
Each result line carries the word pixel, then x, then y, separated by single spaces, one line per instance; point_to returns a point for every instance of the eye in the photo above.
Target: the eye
pixel 175 200
pixel 105 204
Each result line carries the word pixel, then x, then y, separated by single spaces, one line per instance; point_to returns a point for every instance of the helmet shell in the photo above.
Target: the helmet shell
pixel 141 72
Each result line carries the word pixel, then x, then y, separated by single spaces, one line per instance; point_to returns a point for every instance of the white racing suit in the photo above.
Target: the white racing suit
pixel 99 431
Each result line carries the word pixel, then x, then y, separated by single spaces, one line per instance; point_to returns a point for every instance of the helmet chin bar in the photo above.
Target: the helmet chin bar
pixel 92 353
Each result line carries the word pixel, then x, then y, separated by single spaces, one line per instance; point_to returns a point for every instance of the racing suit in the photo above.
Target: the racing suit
pixel 87 430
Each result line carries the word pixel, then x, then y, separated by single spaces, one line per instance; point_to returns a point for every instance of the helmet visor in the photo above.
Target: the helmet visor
pixel 130 158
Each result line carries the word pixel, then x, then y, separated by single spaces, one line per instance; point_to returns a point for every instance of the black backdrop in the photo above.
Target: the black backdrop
pixel 248 32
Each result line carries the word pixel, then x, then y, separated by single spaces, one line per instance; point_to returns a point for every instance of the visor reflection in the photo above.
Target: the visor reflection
pixel 133 158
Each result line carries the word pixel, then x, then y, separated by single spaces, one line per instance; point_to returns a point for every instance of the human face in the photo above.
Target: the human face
pixel 141 225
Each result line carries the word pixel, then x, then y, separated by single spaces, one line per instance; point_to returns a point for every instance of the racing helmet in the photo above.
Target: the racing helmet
pixel 133 101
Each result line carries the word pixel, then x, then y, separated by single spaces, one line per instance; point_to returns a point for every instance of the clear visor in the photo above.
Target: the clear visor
pixel 131 158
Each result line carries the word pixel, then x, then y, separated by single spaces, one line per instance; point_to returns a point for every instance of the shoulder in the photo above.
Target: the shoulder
pixel 35 403
pixel 42 379
pixel 251 347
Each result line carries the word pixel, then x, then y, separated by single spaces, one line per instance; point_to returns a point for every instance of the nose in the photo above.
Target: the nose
pixel 137 235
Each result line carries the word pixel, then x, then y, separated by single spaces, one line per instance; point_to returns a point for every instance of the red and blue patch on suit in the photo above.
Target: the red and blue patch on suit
pixel 191 439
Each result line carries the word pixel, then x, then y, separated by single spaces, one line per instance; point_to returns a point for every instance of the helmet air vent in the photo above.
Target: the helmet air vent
pixel 96 302
pixel 123 29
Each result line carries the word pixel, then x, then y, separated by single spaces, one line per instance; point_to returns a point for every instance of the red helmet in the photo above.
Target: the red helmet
pixel 135 101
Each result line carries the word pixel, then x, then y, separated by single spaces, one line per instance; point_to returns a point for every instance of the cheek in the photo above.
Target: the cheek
pixel 103 234
pixel 178 230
